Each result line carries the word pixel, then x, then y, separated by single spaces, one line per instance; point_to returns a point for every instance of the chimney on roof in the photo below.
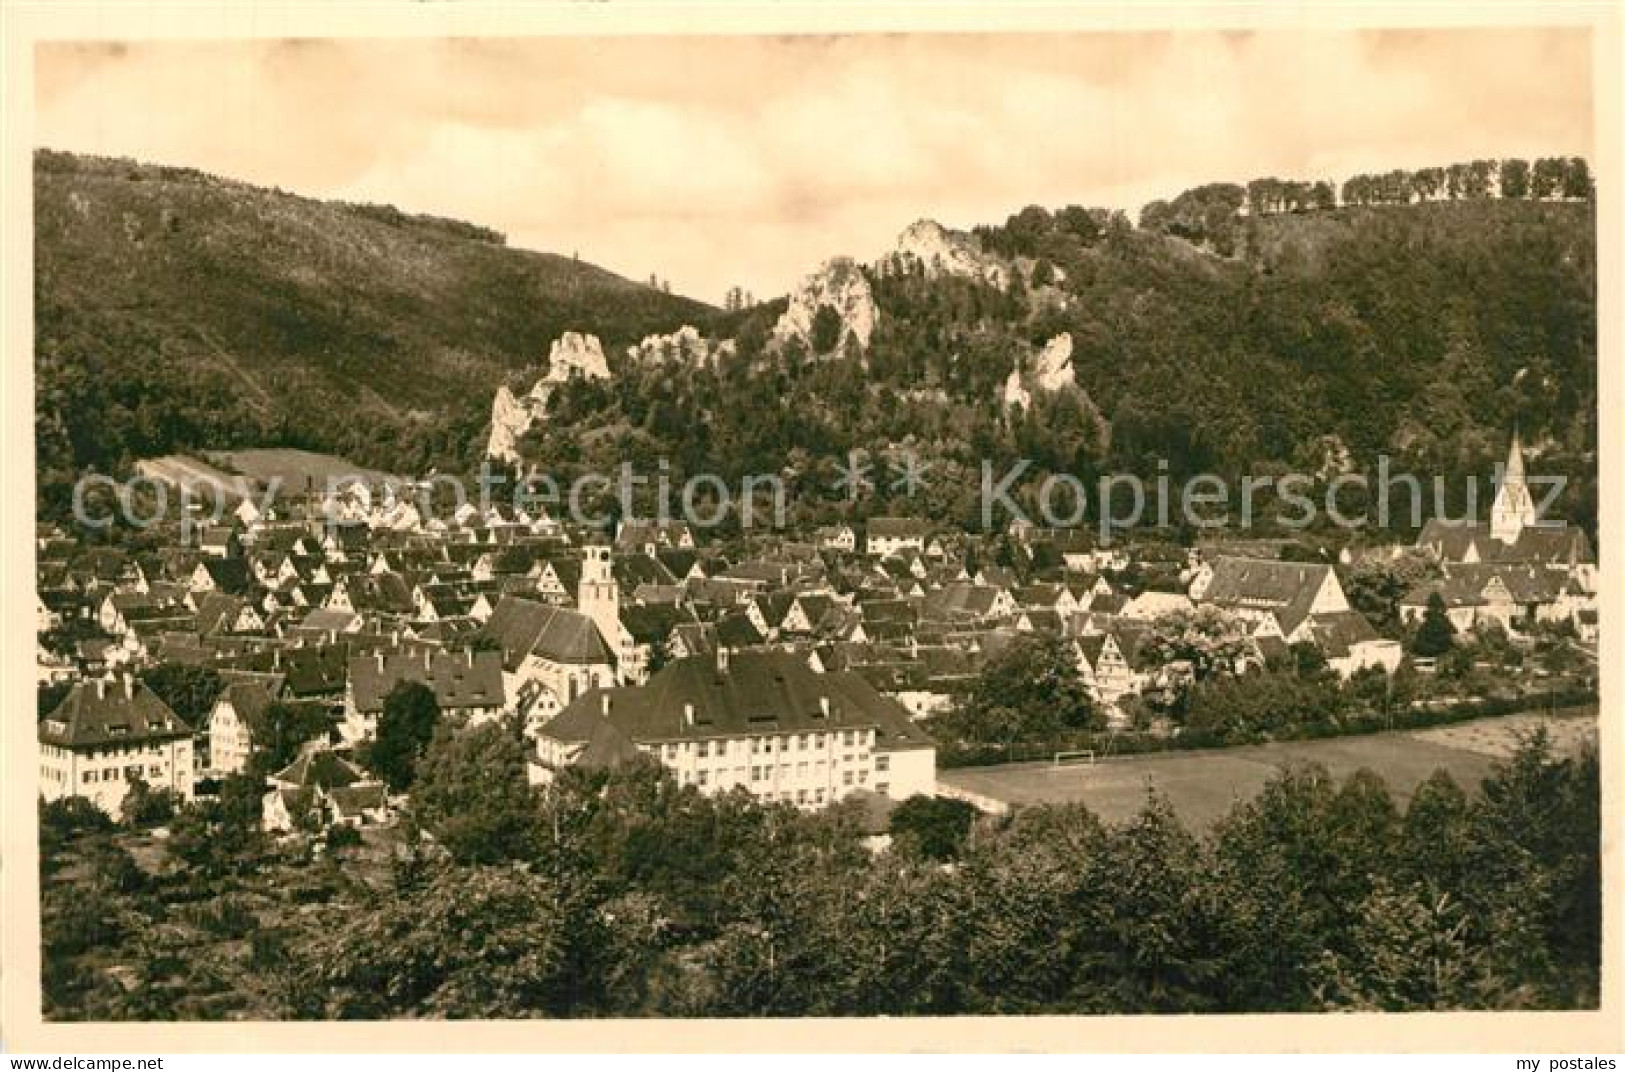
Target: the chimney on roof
pixel 823 707
pixel 129 687
pixel 604 702
pixel 688 714
pixel 723 653
pixel 101 688
pixel 380 657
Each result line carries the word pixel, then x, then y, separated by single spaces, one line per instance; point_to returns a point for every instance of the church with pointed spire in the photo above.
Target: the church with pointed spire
pixel 1518 570
pixel 1514 508
pixel 1516 532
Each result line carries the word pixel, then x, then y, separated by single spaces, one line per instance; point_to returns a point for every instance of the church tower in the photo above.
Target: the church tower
pixel 1514 508
pixel 599 597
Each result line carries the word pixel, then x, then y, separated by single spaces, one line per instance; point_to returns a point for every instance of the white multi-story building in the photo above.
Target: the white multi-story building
pixel 108 734
pixel 239 708
pixel 762 721
pixel 885 536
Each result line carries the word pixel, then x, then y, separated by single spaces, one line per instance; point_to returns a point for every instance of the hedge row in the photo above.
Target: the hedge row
pixel 959 755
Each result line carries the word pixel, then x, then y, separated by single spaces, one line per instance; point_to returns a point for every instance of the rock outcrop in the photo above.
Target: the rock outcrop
pixel 940 251
pixel 574 355
pixel 685 347
pixel 509 421
pixel 1014 393
pixel 840 286
pixel 1053 368
pixel 1050 370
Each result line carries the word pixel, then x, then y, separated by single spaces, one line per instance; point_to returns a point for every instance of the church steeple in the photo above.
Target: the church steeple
pixel 598 596
pixel 1514 508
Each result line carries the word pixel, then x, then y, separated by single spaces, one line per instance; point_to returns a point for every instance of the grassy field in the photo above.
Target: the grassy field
pixel 1204 785
pixel 237 471
pixel 182 469
pixel 293 468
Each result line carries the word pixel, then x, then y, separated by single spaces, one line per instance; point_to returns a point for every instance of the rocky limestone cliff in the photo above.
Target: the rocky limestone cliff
pixel 1050 370
pixel 1014 393
pixel 509 421
pixel 573 355
pixel 840 285
pixel 1053 367
pixel 684 347
pixel 943 252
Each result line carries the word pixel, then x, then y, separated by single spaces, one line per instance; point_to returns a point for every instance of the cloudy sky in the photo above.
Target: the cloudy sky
pixel 723 160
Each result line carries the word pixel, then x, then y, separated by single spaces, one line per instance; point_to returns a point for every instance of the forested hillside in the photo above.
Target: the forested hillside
pixel 1420 331
pixel 175 310
pixel 1255 329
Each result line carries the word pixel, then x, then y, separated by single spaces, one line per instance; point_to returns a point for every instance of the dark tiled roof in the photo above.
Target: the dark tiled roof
pixel 758 692
pixel 638 533
pixel 653 624
pixel 737 631
pixel 1548 543
pixel 319 768
pixel 117 712
pixel 677 561
pixel 386 593
pixel 1263 582
pixel 522 626
pixel 315 671
pixel 217 612
pixel 350 800
pixel 250 700
pixel 959 601
pixel 459 679
pixel 633 570
pixel 1336 633
pixel 229 574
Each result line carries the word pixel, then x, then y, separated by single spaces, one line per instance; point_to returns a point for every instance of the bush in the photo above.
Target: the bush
pixel 340 836
pixel 226 917
pixel 144 806
pixel 935 827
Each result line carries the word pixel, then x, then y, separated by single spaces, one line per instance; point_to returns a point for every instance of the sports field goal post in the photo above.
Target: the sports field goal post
pixel 1082 755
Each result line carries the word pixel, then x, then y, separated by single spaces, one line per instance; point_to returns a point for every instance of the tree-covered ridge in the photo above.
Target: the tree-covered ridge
pixel 1238 330
pixel 1211 214
pixel 176 310
pixel 1421 332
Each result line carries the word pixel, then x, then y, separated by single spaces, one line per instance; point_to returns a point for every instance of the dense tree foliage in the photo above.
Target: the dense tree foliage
pixel 145 806
pixel 405 727
pixel 176 310
pixel 222 835
pixel 1435 635
pixel 642 898
pixel 1178 358
pixel 190 691
pixel 1402 328
pixel 935 827
pixel 1374 587
pixel 1207 640
pixel 472 794
pixel 283 729
pixel 1030 691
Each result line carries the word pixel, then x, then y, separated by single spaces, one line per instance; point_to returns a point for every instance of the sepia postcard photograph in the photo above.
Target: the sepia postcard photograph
pixel 872 521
